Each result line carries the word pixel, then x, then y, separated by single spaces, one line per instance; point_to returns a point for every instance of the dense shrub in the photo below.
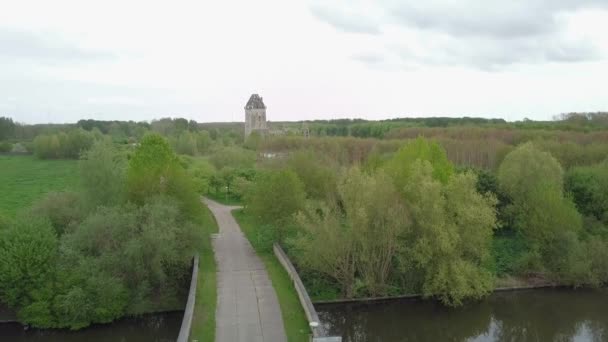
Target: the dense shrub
pixel 102 173
pixel 5 146
pixel 63 145
pixel 275 198
pixel 91 257
pixel 28 252
pixel 589 188
pixel 62 209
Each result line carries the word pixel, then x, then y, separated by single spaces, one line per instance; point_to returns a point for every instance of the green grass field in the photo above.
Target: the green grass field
pixel 294 319
pixel 24 179
pixel 203 321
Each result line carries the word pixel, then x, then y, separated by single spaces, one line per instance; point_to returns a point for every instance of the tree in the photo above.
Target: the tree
pixel 150 168
pixel 234 157
pixel 103 173
pixel 327 245
pixel 589 188
pixel 449 243
pixel 275 198
pixel 399 167
pixel 319 180
pixel 546 218
pixel 379 220
pixel 62 209
pixel 7 128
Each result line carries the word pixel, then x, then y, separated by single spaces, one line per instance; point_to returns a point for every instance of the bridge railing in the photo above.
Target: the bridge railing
pixel 184 331
pixel 318 331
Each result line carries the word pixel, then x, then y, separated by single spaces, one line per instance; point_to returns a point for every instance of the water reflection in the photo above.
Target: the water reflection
pixel 162 327
pixel 535 315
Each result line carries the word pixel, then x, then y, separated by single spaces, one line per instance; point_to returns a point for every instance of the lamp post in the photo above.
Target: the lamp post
pixel 226 193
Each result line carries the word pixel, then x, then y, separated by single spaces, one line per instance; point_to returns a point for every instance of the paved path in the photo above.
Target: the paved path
pixel 247 305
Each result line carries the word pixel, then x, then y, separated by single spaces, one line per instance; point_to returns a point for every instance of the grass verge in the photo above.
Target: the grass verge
pixel 27 178
pixel 294 319
pixel 203 321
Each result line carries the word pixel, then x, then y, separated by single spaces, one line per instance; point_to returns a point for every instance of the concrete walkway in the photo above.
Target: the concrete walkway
pixel 247 305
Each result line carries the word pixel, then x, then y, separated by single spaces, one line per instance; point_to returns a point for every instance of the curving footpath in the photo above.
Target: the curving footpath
pixel 247 305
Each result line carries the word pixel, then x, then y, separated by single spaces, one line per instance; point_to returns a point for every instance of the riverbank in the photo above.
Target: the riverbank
pixel 502 285
pixel 294 319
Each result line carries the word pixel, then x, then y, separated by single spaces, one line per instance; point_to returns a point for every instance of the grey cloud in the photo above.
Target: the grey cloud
pixel 345 21
pixel 21 45
pixel 484 34
pixel 489 55
pixel 500 19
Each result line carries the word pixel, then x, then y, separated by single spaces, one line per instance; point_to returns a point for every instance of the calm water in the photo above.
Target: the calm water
pixel 534 315
pixel 163 327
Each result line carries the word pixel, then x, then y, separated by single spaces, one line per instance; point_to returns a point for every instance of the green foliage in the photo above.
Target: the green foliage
pixel 527 168
pixel 451 235
pixel 361 238
pixel 275 197
pixel 5 146
pixel 186 143
pixel 253 141
pixel 326 245
pixel 319 180
pixel 507 251
pixel 588 186
pixel 112 258
pixel 7 128
pixel 28 250
pixel 234 157
pixel 546 218
pixel 62 209
pixel 399 167
pixel 63 145
pixel 201 171
pixel 155 170
pixel 102 173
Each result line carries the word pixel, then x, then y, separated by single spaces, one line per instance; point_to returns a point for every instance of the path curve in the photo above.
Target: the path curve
pixel 247 305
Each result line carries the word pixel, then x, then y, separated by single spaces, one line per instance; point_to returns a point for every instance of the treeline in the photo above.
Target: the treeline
pixel 381 128
pixel 416 223
pixel 121 245
pixel 476 147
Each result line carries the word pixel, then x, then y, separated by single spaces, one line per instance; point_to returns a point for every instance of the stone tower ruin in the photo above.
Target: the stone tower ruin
pixel 255 116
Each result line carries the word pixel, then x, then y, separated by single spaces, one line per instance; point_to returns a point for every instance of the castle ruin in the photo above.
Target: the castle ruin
pixel 255 116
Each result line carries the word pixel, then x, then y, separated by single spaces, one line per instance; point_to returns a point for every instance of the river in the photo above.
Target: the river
pixel 530 315
pixel 161 327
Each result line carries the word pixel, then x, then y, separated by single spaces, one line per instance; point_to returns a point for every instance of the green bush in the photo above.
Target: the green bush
pixel 5 146
pixel 62 209
pixel 275 197
pixel 63 145
pixel 28 251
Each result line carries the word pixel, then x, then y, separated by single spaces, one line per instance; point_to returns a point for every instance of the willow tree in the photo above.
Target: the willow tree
pixel 540 210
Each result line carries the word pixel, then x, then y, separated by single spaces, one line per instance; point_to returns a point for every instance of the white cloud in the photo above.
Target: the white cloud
pixel 146 59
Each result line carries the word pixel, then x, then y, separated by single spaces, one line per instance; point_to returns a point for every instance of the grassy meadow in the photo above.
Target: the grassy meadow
pixel 24 179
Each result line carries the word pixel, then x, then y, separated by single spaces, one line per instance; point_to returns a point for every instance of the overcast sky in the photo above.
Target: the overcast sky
pixel 61 61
